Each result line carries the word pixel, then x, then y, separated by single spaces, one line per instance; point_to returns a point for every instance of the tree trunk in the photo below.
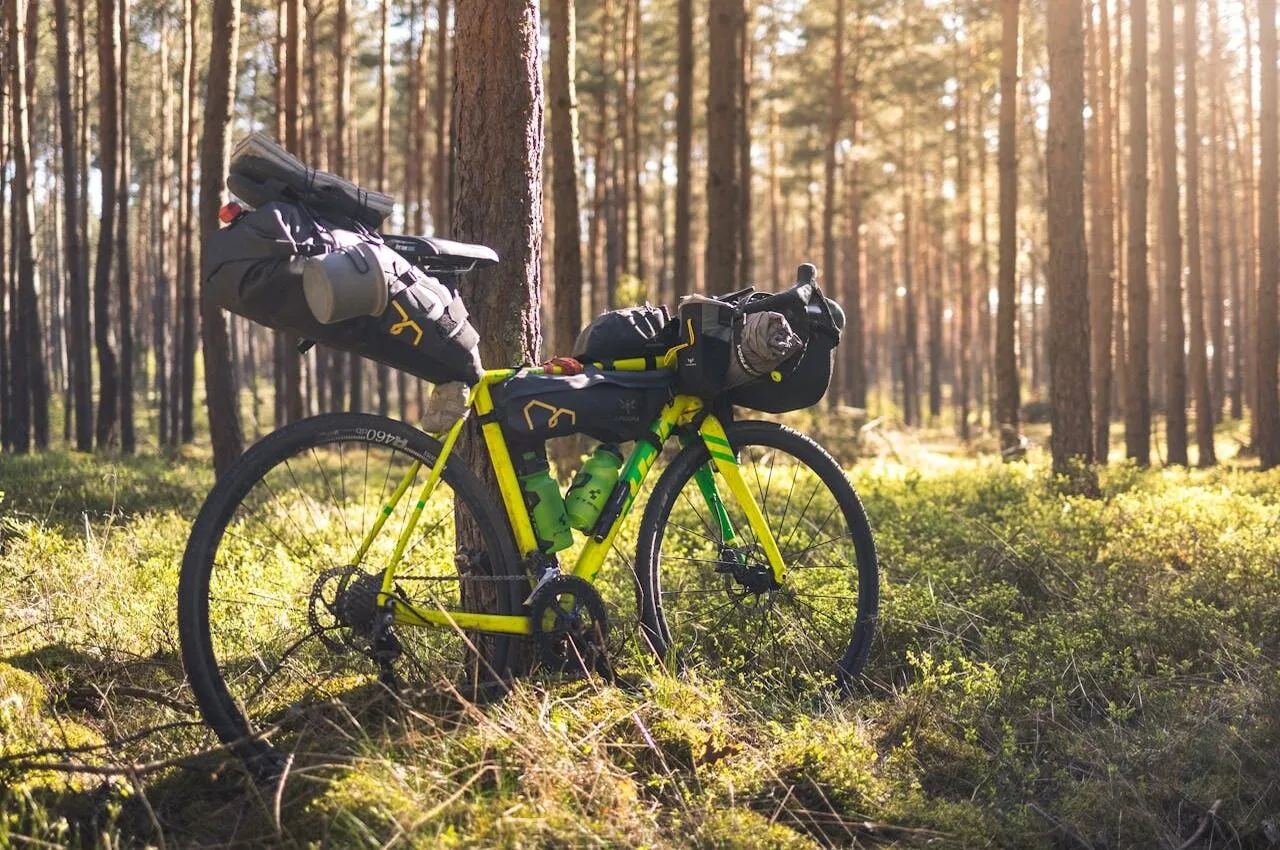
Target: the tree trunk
pixel 1171 240
pixel 290 378
pixel 6 383
pixel 564 142
pixel 108 90
pixel 964 259
pixel 1268 412
pixel 81 374
pixel 835 120
pixel 186 391
pixel 499 124
pixel 1217 266
pixel 124 278
pixel 1137 407
pixel 1007 402
pixel 723 190
pixel 440 196
pixel 746 53
pixel 1199 371
pixel 164 231
pixel 854 343
pixel 682 272
pixel 383 154
pixel 224 417
pixel 1102 258
pixel 1072 438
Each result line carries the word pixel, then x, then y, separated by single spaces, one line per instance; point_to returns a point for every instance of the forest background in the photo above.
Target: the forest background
pixel 1041 213
pixel 688 152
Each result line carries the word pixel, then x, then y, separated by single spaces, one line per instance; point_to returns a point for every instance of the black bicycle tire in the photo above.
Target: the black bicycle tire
pixel 217 706
pixel 678 474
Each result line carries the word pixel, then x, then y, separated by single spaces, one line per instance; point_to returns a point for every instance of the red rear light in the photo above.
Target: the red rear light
pixel 229 212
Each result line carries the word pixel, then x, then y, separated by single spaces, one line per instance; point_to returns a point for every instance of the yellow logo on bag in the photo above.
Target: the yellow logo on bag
pixel 405 322
pixel 554 419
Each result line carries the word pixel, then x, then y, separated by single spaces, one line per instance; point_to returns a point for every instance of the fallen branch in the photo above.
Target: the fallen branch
pixel 1204 824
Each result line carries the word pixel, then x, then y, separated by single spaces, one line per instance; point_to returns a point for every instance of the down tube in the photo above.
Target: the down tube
pixel 633 474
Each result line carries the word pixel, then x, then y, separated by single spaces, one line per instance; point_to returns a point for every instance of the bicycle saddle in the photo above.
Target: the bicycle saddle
pixel 438 253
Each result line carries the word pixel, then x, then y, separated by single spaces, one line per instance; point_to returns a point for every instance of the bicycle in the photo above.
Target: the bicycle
pixel 299 600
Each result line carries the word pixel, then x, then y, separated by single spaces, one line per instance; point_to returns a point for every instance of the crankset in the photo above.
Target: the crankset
pixel 570 626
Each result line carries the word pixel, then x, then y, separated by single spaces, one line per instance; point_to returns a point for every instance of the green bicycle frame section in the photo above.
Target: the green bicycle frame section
pixel 680 410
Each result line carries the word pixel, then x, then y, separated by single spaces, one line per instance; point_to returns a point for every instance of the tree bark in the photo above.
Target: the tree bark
pixel 1171 240
pixel 440 196
pixel 835 121
pixel 1007 402
pixel 723 189
pixel 81 373
pixel 1217 266
pixel 1102 258
pixel 1137 408
pixel 564 143
pixel 964 260
pixel 383 154
pixel 289 384
pixel 224 413
pixel 1072 439
pixel 6 384
pixel 186 373
pixel 124 277
pixel 855 324
pixel 1268 412
pixel 108 381
pixel 1199 371
pixel 499 146
pixel 682 271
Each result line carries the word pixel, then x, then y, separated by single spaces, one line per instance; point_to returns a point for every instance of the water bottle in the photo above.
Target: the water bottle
pixel 591 487
pixel 546 505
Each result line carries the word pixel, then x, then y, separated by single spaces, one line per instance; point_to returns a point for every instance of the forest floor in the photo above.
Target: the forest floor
pixel 1051 671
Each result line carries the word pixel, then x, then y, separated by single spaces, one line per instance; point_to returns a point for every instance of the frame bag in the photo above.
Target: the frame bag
pixel 612 407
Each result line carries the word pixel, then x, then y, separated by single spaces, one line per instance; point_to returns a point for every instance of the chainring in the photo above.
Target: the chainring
pixel 570 626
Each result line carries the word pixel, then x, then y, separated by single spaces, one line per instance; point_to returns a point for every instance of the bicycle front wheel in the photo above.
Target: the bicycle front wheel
pixel 282 638
pixel 709 604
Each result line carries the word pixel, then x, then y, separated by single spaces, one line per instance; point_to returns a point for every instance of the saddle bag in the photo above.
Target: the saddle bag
pixel 612 407
pixel 255 268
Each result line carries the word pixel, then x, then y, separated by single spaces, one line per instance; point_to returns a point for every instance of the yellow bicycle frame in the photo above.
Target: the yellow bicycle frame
pixel 681 410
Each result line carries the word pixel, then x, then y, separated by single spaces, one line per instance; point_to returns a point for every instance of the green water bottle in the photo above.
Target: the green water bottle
pixel 546 505
pixel 591 487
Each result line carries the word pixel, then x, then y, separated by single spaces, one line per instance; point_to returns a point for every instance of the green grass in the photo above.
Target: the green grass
pixel 1051 671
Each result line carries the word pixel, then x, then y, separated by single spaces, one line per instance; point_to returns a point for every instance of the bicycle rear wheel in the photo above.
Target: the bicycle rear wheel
pixel 282 639
pixel 711 606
